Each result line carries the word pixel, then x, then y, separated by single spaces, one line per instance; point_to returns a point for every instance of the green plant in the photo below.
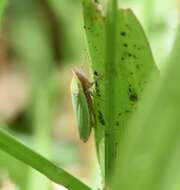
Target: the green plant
pixel 136 110
pixel 120 53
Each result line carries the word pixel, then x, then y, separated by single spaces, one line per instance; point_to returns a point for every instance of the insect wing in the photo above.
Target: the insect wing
pixel 80 107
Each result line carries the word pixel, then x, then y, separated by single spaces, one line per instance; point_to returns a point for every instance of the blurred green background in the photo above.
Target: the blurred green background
pixel 40 42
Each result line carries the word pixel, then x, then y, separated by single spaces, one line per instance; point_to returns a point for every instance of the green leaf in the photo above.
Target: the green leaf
pixel 10 145
pixel 150 148
pixel 120 76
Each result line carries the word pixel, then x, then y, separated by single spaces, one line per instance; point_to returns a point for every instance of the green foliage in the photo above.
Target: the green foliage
pixel 38 162
pixel 150 148
pixel 137 113
pixel 17 169
pixel 31 41
pixel 125 74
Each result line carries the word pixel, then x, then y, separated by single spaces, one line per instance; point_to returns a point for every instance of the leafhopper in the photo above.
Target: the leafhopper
pixel 82 104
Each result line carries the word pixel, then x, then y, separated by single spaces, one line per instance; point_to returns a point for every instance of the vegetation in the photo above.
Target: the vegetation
pixel 136 108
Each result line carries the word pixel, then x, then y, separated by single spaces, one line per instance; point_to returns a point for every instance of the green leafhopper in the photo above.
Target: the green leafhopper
pixel 82 104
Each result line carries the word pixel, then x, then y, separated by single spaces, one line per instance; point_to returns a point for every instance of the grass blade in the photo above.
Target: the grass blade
pixel 10 145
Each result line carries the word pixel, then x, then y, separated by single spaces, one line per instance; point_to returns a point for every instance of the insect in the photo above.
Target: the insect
pixel 82 104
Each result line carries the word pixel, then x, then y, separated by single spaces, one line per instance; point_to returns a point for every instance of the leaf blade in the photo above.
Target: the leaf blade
pixel 13 147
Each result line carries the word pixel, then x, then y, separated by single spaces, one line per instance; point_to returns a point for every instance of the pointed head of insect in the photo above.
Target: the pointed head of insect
pixel 76 84
pixel 86 84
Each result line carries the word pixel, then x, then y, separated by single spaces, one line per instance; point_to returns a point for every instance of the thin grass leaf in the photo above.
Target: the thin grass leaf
pixel 13 147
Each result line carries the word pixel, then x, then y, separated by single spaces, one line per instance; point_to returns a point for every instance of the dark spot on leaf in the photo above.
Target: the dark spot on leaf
pixel 97 89
pixel 96 84
pixel 123 33
pixel 129 54
pixel 98 92
pixel 132 94
pixel 131 73
pixel 101 119
pixel 127 111
pixel 95 48
pixel 133 97
pixel 116 149
pixel 119 114
pixel 95 73
pixel 122 58
pixel 135 57
pixel 130 90
pixel 137 67
pixel 106 134
pixel 117 123
pixel 125 45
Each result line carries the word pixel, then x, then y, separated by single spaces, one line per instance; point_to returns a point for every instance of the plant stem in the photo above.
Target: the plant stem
pixel 13 147
pixel 110 87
